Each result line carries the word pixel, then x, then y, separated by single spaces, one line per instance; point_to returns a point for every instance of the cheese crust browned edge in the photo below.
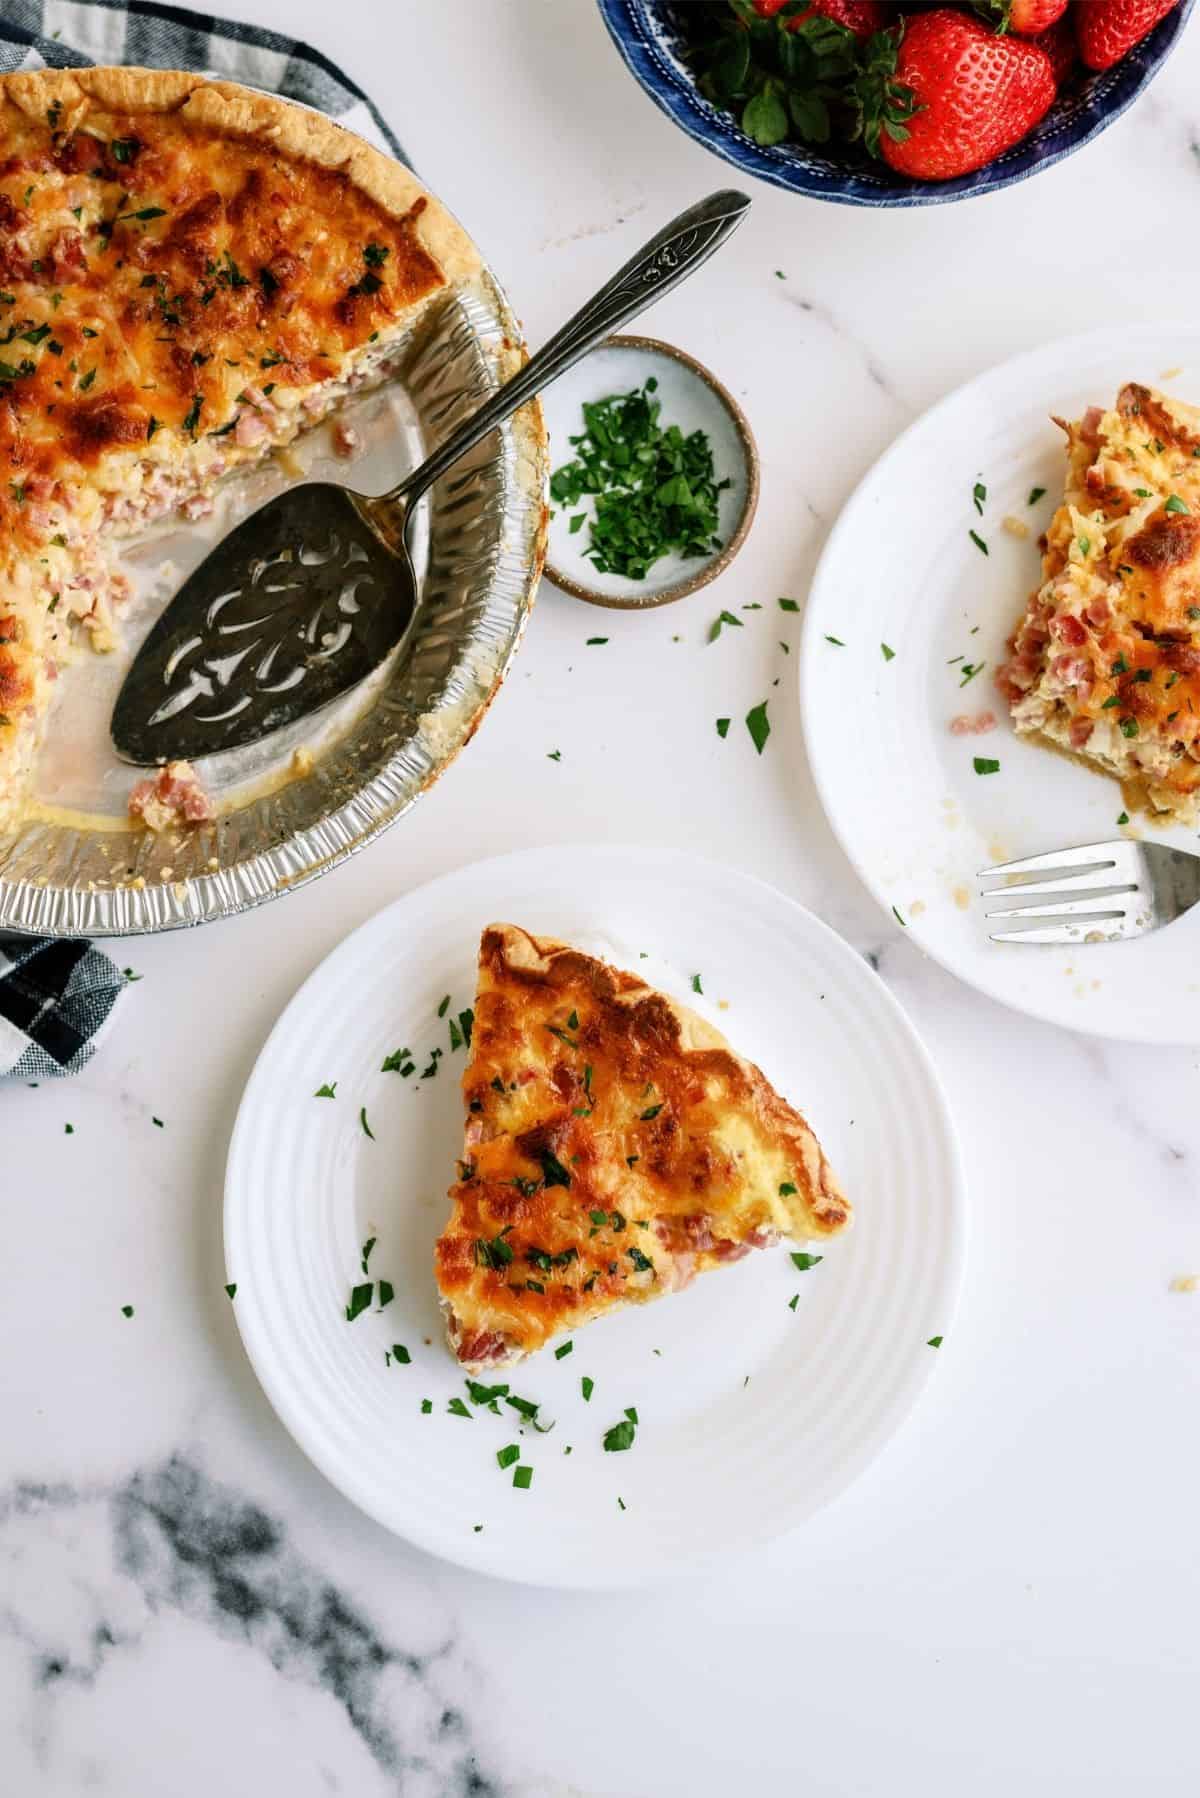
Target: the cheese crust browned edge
pixel 223 106
pixel 535 955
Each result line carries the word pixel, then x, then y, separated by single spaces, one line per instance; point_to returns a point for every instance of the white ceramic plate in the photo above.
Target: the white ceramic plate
pixel 899 788
pixel 752 1415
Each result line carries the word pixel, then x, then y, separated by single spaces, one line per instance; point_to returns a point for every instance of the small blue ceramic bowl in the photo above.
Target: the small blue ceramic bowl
pixel 650 36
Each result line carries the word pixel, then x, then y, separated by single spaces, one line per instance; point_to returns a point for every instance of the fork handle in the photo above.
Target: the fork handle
pixel 669 258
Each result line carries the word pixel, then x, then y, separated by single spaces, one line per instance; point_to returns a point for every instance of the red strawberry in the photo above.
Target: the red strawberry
pixel 977 94
pixel 1028 18
pixel 1059 45
pixel 862 17
pixel 1106 29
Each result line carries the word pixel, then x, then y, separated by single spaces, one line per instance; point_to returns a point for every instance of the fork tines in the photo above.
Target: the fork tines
pixel 1097 887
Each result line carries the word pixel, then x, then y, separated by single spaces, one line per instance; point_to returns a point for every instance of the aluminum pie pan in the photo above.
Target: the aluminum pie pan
pixel 75 867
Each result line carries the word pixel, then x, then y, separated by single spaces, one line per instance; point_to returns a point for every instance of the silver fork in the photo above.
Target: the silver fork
pixel 1103 892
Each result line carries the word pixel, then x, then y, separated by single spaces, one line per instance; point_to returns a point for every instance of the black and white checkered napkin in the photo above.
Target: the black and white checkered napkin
pixel 56 998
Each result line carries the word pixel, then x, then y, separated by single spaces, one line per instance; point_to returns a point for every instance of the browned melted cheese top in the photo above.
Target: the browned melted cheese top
pixel 152 275
pixel 599 1151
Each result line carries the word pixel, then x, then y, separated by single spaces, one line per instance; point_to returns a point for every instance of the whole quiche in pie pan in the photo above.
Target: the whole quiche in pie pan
pixel 207 294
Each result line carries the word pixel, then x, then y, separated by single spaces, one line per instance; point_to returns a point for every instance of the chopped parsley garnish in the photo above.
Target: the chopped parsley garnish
pixel 1129 727
pixel 986 764
pixel 641 1262
pixel 456 1408
pixel 759 725
pixel 654 488
pixel 594 640
pixel 889 654
pixel 375 255
pixel 563 1349
pixel 86 380
pixel 507 1455
pixel 1174 504
pixel 587 1386
pixel 494 1253
pixel 523 1476
pixel 360 1300
pixel 554 755
pixel 804 1261
pixel 553 1171
pixel 979 543
pixel 193 416
pixel 426 1406
pixel 400 1354
pixel 362 1118
pixel 978 495
pixel 789 605
pixel 400 1061
pixel 1124 818
pixel 696 986
pixel 786 1189
pixel 444 1007
pixel 1085 544
pixel 903 922
pixel 231 1290
pixel 328 1091
pixel 1141 493
pixel 836 641
pixel 1120 666
pixel 723 727
pixel 151 427
pixel 1110 702
pixel 651 1111
pixel 146 213
pixel 124 149
pixel 969 670
pixel 714 629
pixel 35 335
pixel 935 1342
pixel 126 1310
pixel 620 1436
pixel 387 1293
pixel 793 1301
pixel 1035 494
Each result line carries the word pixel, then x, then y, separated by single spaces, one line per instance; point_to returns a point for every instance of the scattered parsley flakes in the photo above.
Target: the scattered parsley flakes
pixel 444 1007
pixel 231 1290
pixel 587 1386
pixel 804 1261
pixel 523 1476
pixel 759 725
pixel 126 1310
pixel 131 976
pixel 68 1129
pixel 362 1118
pixel 360 1300
pixel 554 755
pixel 786 1189
pixel 1174 504
pixel 902 921
pixel 979 543
pixel 1035 494
pixel 935 1342
pixel 508 1454
pixel 328 1091
pixel 696 986
pixel 793 1301
pixel 889 654
pixel 789 605
pixel 986 764
pixel 978 495
pixel 456 1408
pixel 620 1436
pixel 564 1348
pixel 620 1501
pixel 836 641
pixel 387 1293
pixel 714 630
pixel 1124 818
pixel 593 641
pixel 723 727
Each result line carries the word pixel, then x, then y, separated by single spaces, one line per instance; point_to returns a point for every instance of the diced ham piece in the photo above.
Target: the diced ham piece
pixel 1073 671
pixel 346 440
pixel 479 1345
pixel 65 256
pixel 1184 657
pixel 1067 628
pixel 172 796
pixel 967 726
pixel 1080 731
pixel 200 505
pixel 249 430
pixel 1098 613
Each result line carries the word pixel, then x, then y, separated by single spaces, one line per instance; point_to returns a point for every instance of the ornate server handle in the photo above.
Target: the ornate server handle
pixel 669 258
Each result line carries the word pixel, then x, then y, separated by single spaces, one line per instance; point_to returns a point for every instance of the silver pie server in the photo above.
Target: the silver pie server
pixel 311 592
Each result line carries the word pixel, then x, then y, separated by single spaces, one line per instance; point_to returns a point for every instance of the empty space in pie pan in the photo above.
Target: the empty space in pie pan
pixel 77 866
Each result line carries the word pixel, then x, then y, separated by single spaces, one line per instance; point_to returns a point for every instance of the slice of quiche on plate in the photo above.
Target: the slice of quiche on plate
pixel 616 1146
pixel 1105 664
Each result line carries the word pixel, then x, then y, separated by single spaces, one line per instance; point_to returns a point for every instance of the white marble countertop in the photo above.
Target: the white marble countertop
pixel 1008 1601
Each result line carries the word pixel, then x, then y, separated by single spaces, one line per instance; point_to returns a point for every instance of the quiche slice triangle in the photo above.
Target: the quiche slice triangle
pixel 616 1147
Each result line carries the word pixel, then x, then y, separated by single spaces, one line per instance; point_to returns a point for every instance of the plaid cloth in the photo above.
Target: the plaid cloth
pixel 57 998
